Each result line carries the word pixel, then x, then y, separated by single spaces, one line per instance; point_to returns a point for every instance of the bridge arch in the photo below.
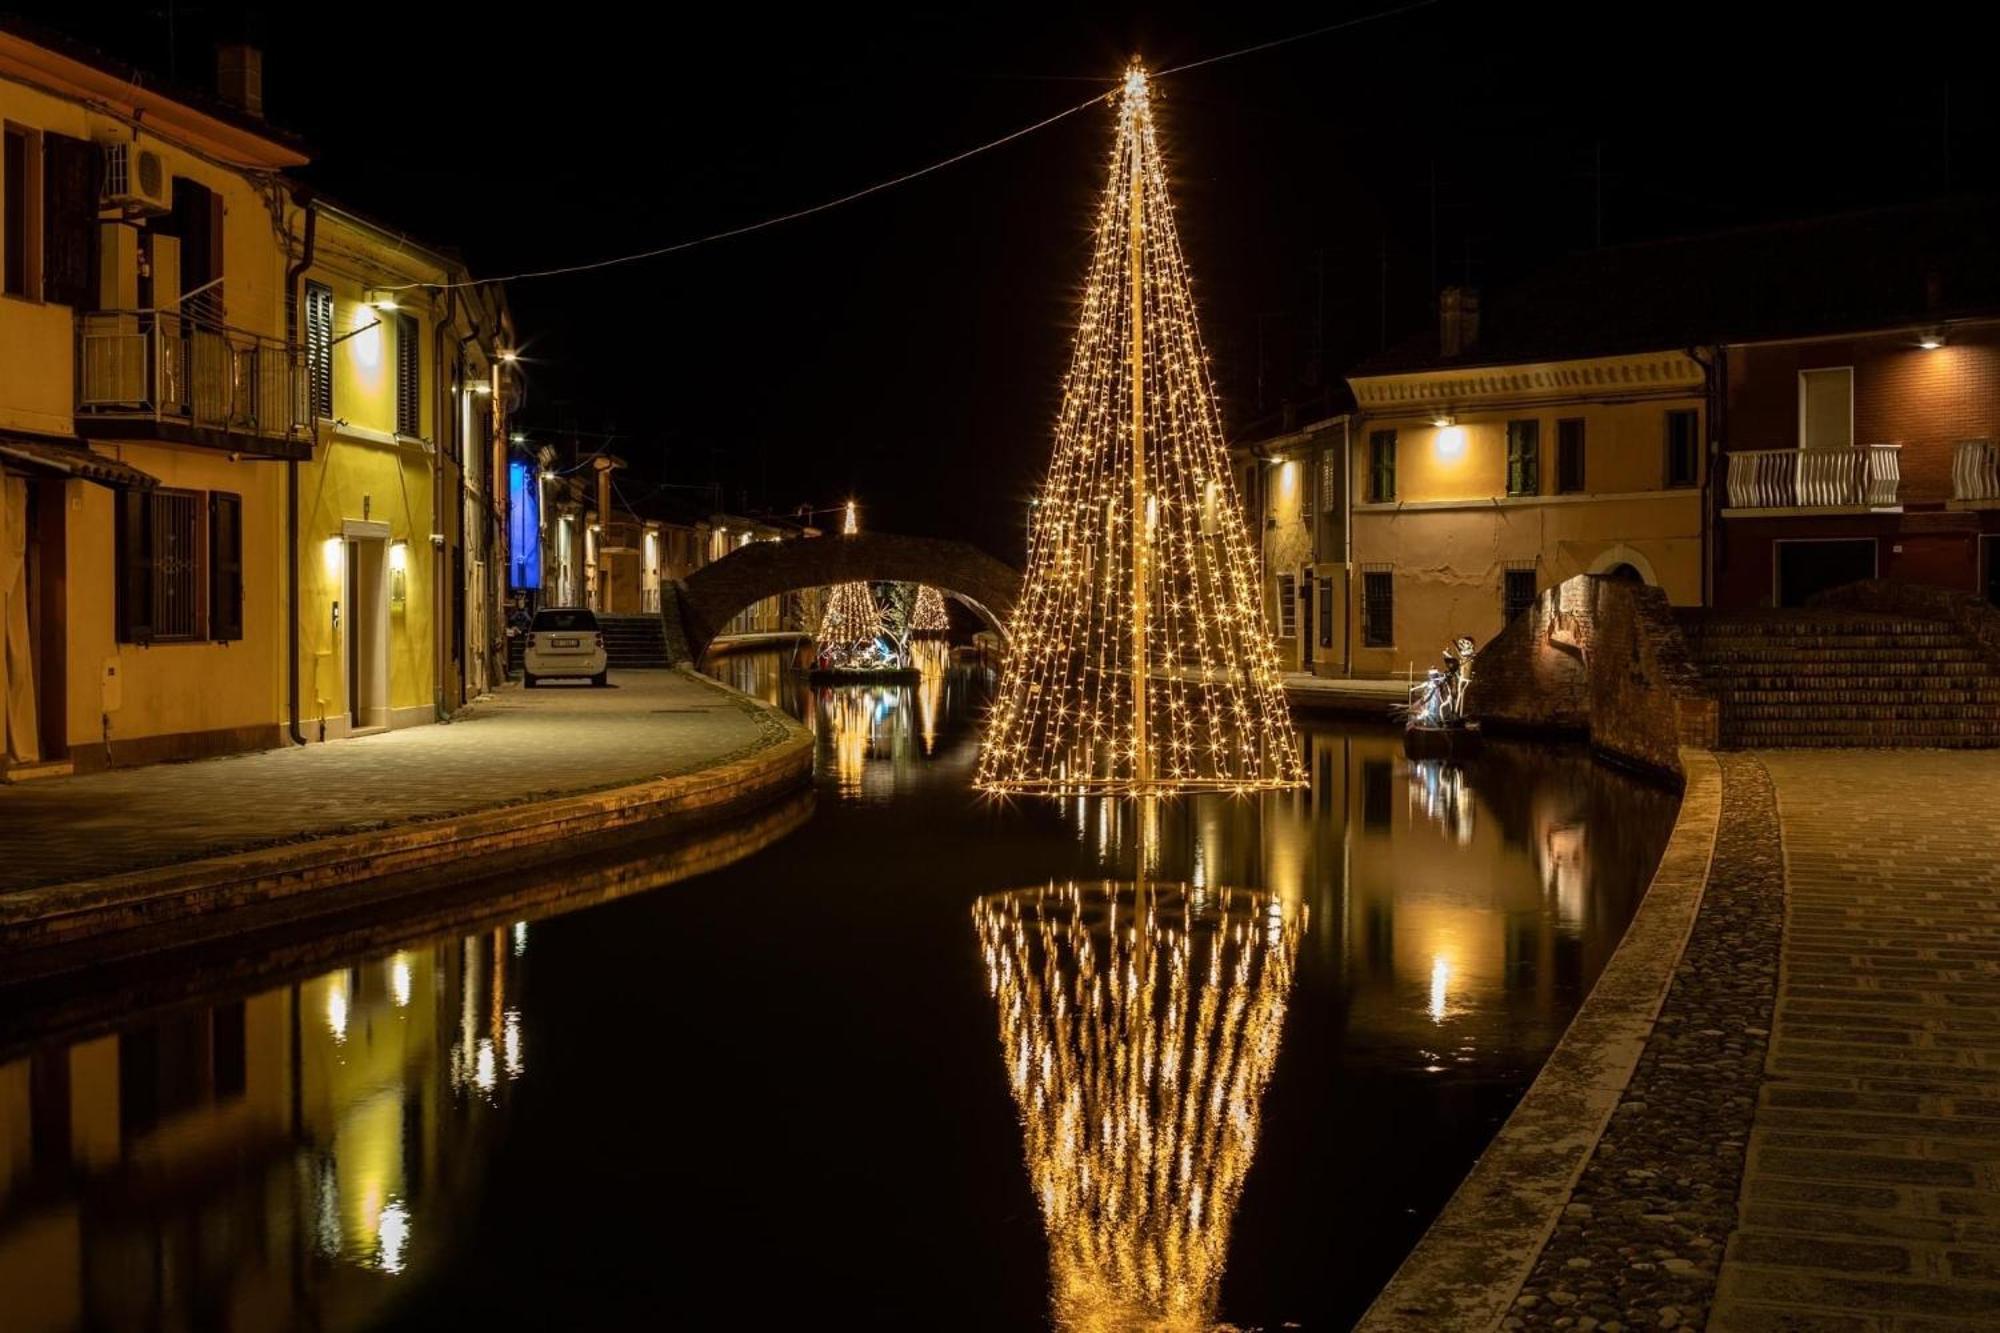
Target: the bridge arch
pixel 711 596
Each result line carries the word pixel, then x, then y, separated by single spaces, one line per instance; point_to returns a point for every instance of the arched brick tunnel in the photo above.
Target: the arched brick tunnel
pixel 712 595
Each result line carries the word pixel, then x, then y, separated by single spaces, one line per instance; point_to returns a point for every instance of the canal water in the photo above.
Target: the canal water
pixel 892 1054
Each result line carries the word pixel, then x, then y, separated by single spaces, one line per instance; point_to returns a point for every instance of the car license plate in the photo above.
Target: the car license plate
pixel 563 643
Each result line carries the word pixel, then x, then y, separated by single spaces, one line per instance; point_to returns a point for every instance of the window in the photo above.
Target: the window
pixel 409 377
pixel 1330 536
pixel 1381 466
pixel 197 220
pixel 1569 455
pixel 1378 609
pixel 225 566
pixel 319 348
pixel 1326 613
pixel 70 187
pixel 1826 408
pixel 1683 447
pixel 1524 458
pixel 1517 593
pixel 21 221
pixel 160 583
pixel 1288 606
pixel 564 620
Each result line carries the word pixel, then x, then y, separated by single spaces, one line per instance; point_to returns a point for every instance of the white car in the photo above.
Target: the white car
pixel 564 641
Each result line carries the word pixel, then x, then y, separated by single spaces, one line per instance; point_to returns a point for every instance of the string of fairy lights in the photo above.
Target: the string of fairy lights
pixel 1139 1025
pixel 1139 659
pixel 852 615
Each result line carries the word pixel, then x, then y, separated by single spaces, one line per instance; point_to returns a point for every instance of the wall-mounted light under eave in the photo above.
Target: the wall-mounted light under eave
pixel 1449 443
pixel 1931 339
pixel 379 298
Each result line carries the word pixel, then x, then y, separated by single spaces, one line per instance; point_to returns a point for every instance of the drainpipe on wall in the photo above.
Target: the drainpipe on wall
pixel 292 275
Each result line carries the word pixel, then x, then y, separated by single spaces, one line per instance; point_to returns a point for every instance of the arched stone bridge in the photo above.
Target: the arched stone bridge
pixel 711 596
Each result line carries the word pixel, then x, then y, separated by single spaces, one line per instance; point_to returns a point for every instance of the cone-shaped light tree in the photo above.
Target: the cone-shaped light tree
pixel 930 616
pixel 852 618
pixel 1138 658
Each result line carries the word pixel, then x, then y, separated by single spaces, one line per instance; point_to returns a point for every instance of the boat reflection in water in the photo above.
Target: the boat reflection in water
pixel 1139 1024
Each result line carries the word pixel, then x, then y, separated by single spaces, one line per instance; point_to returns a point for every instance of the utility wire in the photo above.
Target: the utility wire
pixel 907 176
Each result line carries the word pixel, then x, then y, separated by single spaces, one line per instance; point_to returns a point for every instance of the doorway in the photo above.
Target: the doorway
pixel 367 647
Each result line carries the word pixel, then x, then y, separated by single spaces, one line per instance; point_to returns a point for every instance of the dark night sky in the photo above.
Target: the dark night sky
pixel 907 348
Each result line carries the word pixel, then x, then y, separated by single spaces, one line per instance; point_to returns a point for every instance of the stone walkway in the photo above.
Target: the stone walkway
pixel 1872 1199
pixel 517 746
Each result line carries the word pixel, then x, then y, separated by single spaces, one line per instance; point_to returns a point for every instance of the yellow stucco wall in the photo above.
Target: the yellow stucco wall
pixel 1452 530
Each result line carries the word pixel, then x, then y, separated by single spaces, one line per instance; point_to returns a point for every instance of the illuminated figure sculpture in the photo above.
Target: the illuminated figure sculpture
pixel 1439 699
pixel 1139 1025
pixel 1138 658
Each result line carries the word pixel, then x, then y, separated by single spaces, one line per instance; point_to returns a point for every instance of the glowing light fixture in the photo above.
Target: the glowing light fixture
pixel 1450 442
pixel 508 356
pixel 1931 340
pixel 1139 661
pixel 379 299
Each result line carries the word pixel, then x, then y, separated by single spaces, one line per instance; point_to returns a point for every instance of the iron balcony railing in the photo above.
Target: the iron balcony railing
pixel 159 365
pixel 1975 471
pixel 1865 477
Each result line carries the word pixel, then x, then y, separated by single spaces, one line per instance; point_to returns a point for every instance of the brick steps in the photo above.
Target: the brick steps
pixel 633 641
pixel 1811 680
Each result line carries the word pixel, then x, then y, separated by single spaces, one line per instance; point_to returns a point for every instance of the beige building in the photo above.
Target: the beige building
pixel 1295 500
pixel 1480 477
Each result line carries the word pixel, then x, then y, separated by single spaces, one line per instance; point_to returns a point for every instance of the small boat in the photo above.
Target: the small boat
pixel 1421 742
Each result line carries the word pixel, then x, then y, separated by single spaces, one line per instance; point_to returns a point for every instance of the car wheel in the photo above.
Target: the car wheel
pixel 528 680
pixel 601 679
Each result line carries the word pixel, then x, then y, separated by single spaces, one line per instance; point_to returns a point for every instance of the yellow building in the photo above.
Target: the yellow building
pixel 147 404
pixel 1481 474
pixel 397 532
pixel 1295 502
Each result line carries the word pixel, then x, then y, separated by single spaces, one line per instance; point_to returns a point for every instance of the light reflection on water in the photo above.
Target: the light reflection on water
pixel 1236 1094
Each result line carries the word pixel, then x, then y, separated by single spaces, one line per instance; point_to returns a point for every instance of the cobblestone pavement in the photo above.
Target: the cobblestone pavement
pixel 517 746
pixel 1640 1243
pixel 1873 1193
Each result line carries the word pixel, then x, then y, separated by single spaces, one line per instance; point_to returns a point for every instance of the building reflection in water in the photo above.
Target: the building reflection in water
pixel 280 1160
pixel 1139 1024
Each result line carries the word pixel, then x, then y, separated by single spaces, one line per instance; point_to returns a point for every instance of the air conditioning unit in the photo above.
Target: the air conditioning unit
pixel 136 179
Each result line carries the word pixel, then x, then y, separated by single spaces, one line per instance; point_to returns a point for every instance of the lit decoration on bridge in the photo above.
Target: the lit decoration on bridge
pixel 1139 660
pixel 930 616
pixel 1139 1025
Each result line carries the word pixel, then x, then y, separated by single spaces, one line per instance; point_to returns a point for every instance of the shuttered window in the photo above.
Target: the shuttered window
pixel 1288 606
pixel 225 566
pixel 20 210
pixel 1524 458
pixel 1330 536
pixel 319 348
pixel 69 219
pixel 1683 447
pixel 1569 455
pixel 1378 609
pixel 409 380
pixel 1381 466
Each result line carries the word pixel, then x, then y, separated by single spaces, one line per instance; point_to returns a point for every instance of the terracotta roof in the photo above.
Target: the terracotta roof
pixel 70 458
pixel 1876 270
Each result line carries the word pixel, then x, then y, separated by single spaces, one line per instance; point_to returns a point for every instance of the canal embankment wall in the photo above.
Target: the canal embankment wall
pixel 696 784
pixel 1600 659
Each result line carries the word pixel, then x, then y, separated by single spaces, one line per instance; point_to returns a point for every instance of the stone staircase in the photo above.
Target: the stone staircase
pixel 634 641
pixel 1819 678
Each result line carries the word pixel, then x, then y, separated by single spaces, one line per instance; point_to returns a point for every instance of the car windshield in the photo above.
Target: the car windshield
pixel 572 621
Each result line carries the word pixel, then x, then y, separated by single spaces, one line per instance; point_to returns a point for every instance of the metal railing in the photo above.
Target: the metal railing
pixel 1975 471
pixel 1863 477
pixel 163 366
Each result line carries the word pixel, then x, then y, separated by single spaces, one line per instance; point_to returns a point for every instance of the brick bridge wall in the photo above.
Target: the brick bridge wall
pixel 697 608
pixel 1603 658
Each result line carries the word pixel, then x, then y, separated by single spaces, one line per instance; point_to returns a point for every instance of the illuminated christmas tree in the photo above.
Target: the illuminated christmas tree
pixel 1138 659
pixel 852 619
pixel 930 616
pixel 1139 1025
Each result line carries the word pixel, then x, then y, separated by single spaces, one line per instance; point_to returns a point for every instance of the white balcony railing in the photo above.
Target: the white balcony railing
pixel 1865 477
pixel 171 368
pixel 1975 471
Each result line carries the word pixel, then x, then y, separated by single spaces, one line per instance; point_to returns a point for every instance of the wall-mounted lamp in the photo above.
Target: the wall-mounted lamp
pixel 1450 442
pixel 508 356
pixel 1931 340
pixel 1444 420
pixel 380 298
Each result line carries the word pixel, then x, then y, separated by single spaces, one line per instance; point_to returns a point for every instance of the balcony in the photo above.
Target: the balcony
pixel 1975 475
pixel 148 374
pixel 1860 480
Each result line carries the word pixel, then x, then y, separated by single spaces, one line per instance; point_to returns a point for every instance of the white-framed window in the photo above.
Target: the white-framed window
pixel 1288 606
pixel 1826 408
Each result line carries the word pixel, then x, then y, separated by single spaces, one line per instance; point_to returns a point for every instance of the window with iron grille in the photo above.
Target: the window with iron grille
pixel 1517 593
pixel 1288 606
pixel 1381 466
pixel 409 377
pixel 1326 613
pixel 1683 447
pixel 1569 455
pixel 1524 458
pixel 1378 609
pixel 319 348
pixel 160 574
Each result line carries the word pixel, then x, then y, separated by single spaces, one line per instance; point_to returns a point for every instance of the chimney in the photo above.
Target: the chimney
pixel 239 77
pixel 1458 320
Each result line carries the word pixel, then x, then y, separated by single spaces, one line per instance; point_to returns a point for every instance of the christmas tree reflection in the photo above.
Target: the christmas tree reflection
pixel 1139 1024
